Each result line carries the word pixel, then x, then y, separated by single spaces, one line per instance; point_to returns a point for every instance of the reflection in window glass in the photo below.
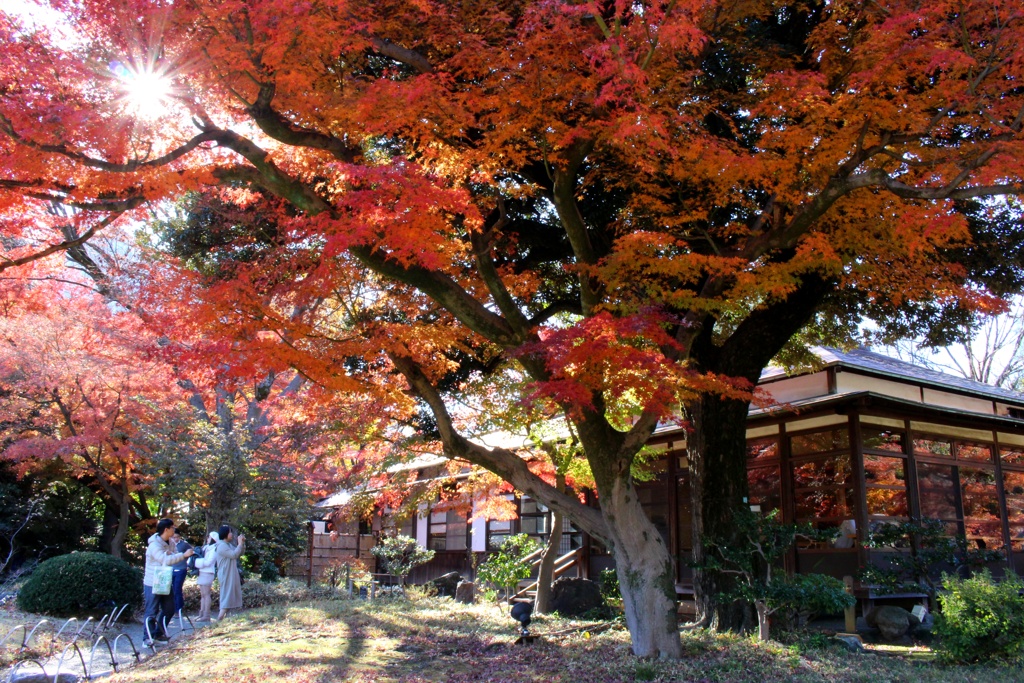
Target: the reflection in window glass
pixel 886 486
pixel 457 532
pixel 822 489
pixel 938 448
pixel 1013 486
pixel 836 439
pixel 938 490
pixel 981 507
pixel 1012 455
pixel 765 486
pixel 882 439
pixel 977 452
pixel 763 449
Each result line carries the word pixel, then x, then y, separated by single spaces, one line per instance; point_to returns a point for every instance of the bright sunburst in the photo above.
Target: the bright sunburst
pixel 146 91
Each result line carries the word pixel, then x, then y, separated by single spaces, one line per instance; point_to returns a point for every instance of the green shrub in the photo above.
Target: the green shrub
pixel 508 565
pixel 269 573
pixel 820 594
pixel 981 618
pixel 608 580
pixel 399 555
pixel 81 584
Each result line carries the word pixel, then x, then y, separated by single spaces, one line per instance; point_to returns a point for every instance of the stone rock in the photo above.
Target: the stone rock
pixel 893 622
pixel 851 643
pixel 446 584
pixel 26 676
pixel 575 597
pixel 465 592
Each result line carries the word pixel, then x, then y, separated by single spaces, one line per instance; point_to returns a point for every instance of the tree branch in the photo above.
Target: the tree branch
pixel 502 462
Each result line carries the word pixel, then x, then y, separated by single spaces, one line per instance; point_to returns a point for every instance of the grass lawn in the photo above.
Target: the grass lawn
pixel 429 639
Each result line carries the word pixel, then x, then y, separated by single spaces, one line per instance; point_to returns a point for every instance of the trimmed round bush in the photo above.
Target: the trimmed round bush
pixel 981 618
pixel 81 584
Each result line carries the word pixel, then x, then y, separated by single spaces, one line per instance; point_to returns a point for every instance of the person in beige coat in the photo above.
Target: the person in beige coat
pixel 227 570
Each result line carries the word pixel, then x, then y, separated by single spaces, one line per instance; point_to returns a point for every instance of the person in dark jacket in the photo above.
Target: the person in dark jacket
pixel 180 572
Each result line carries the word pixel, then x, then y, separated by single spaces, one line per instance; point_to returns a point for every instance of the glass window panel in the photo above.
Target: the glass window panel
pixel 763 449
pixel 1013 486
pixel 532 525
pixel 455 538
pixel 438 517
pixel 1012 455
pixel 886 492
pixel 977 452
pixel 832 470
pixel 882 439
pixel 942 449
pixel 938 490
pixel 500 525
pixel 528 506
pixel 887 502
pixel 821 442
pixel 821 488
pixel 765 486
pixel 982 523
pixel 437 543
pixel 828 503
pixel 880 470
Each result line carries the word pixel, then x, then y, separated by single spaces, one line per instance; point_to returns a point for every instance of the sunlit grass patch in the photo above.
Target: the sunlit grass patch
pixel 431 640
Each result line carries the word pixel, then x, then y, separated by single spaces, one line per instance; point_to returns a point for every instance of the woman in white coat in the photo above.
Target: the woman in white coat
pixel 207 566
pixel 227 570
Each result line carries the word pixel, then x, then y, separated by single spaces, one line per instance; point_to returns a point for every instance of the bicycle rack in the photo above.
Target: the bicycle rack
pixel 64 626
pixel 135 651
pixel 24 632
pixel 42 622
pixel 23 662
pixel 92 655
pixel 60 662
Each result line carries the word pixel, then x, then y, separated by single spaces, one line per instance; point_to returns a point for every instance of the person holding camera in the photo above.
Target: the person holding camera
pixel 227 570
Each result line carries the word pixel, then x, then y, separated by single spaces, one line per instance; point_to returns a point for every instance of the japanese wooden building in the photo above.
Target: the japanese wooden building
pixel 865 439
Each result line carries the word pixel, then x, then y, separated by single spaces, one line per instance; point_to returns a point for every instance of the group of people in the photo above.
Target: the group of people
pixel 219 559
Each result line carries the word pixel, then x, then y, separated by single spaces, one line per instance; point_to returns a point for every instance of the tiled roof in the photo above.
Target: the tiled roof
pixel 879 364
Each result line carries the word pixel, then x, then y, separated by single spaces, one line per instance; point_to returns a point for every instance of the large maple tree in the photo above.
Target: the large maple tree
pixel 618 211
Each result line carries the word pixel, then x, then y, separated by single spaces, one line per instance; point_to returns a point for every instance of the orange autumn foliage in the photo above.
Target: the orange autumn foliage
pixel 529 208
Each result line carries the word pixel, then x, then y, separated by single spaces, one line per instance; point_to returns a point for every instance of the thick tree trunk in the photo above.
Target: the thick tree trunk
pixel 545 573
pixel 718 468
pixel 108 528
pixel 646 573
pixel 547 566
pixel 763 622
pixel 123 524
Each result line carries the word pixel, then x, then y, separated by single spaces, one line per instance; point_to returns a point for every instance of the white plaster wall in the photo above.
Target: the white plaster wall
pixel 1011 439
pixel 422 520
pixel 848 383
pixel 798 388
pixel 478 535
pixel 881 421
pixel 812 422
pixel 948 400
pixel 767 430
pixel 949 430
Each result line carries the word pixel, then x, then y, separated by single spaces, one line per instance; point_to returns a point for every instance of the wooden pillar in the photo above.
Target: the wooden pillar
pixel 309 574
pixel 850 613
